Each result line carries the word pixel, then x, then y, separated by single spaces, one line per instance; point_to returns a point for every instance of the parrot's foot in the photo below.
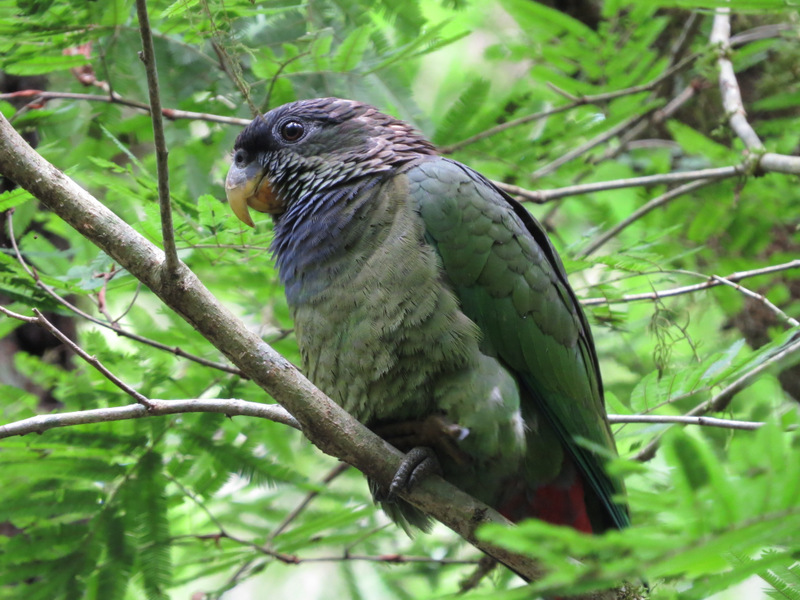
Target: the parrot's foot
pixel 435 432
pixel 423 441
pixel 418 463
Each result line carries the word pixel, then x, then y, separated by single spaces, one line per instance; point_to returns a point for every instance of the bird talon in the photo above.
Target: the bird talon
pixel 417 464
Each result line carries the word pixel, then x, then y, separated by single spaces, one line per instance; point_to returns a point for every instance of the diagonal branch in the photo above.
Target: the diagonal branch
pixel 728 86
pixel 602 138
pixel 581 101
pixel 42 321
pixel 790 321
pixel 721 400
pixel 642 211
pixel 116 327
pixel 323 422
pixel 711 281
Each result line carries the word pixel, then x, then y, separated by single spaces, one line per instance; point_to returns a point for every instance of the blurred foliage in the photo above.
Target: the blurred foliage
pixel 192 505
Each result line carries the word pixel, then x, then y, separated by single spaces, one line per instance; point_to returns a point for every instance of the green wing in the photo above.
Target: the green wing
pixel 512 284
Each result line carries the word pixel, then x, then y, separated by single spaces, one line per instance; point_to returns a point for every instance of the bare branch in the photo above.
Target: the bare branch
pixel 148 57
pixel 762 32
pixel 659 116
pixel 592 143
pixel 711 281
pixel 11 314
pixel 333 474
pixel 728 86
pixel 42 321
pixel 642 211
pixel 114 98
pixel 293 559
pixel 791 322
pixel 232 408
pixel 686 420
pixel 542 196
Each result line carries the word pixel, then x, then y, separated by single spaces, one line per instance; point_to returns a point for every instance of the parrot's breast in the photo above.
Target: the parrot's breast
pixel 381 332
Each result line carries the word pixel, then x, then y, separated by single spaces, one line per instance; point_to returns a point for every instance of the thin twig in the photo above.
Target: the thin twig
pixel 721 400
pixel 231 408
pixel 686 420
pixel 232 68
pixel 148 57
pixel 712 281
pixel 592 143
pixel 542 196
pixel 657 117
pixel 762 32
pixel 642 211
pixel 335 472
pixel 113 326
pixel 583 100
pixel 13 315
pixel 684 40
pixel 332 474
pixel 92 360
pixel 293 559
pixel 791 322
pixel 114 98
pixel 728 86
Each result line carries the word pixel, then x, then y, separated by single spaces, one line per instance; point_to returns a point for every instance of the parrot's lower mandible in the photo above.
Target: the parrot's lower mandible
pixel 433 308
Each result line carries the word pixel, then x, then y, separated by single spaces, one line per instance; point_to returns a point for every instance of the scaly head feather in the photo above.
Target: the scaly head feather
pixel 294 152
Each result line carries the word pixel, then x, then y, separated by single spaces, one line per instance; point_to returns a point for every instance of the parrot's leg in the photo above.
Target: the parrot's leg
pixel 423 441
pixel 419 462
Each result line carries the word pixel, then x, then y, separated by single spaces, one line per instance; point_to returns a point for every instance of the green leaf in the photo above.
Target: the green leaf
pixel 351 51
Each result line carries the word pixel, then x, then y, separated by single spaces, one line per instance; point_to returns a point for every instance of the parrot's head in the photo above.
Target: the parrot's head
pixel 299 149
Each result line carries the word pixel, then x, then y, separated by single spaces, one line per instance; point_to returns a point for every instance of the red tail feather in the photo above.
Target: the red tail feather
pixel 559 503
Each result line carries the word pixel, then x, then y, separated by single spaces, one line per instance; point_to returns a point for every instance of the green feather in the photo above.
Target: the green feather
pixel 514 288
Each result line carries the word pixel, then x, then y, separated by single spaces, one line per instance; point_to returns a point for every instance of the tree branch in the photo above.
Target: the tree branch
pixel 686 420
pixel 642 211
pixel 42 321
pixel 721 400
pixel 232 408
pixel 602 138
pixel 790 321
pixel 710 282
pixel 109 325
pixel 542 196
pixel 148 57
pixel 325 424
pixel 114 98
pixel 728 86
pixel 583 100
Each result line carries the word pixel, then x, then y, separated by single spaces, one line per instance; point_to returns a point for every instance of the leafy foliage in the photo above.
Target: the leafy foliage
pixel 198 503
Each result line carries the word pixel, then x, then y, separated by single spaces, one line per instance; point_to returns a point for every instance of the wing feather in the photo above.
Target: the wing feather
pixel 512 284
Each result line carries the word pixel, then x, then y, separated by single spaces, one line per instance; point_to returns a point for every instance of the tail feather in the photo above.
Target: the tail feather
pixel 555 503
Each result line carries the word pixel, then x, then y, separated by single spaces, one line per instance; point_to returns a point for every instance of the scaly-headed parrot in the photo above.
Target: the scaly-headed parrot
pixel 433 308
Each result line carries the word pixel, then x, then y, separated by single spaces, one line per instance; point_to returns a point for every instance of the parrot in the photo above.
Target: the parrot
pixel 433 308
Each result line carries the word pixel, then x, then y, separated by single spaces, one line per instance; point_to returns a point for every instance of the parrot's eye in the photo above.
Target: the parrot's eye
pixel 291 131
pixel 240 158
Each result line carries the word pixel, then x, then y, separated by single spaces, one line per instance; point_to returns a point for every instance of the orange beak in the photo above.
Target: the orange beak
pixel 247 188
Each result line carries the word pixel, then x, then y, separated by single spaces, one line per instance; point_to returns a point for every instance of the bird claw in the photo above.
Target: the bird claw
pixel 423 441
pixel 416 465
pixel 434 432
